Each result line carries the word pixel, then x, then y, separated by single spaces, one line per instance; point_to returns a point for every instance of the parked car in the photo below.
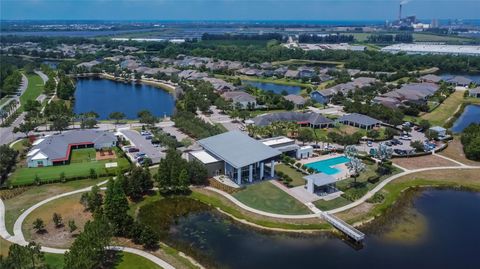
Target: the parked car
pixel 315 146
pixel 133 149
pixel 405 137
pixel 396 142
pixel 388 143
pixel 139 154
pixel 144 133
pixel 369 143
pixel 148 137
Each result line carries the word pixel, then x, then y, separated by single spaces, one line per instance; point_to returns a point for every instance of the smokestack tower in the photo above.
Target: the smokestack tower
pixel 400 12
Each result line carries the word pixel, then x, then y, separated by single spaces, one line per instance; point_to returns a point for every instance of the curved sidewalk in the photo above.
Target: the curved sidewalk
pixel 343 208
pixel 18 237
pixel 260 212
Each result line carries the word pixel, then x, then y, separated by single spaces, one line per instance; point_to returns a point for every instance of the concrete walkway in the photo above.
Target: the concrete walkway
pixel 259 212
pixel 19 238
pixel 343 208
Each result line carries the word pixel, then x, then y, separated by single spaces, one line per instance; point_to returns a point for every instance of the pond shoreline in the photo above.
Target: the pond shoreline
pixel 363 222
pixel 152 82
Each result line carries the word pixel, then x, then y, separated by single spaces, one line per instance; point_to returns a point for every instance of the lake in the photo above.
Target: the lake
pixel 474 77
pixel 273 87
pixel 450 240
pixel 106 96
pixel 471 114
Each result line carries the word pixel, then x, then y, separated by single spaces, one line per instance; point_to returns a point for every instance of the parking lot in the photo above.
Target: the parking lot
pixel 414 136
pixel 144 145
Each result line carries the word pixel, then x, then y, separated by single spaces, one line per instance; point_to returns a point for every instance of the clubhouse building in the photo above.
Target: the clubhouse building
pixel 56 149
pixel 237 156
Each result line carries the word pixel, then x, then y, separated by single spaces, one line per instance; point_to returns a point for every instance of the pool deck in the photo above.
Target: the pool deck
pixel 343 170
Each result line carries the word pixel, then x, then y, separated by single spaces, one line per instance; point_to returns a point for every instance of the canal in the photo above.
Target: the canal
pixel 274 87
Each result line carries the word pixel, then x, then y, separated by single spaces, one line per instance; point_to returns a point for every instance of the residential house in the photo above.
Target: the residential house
pixel 411 92
pixel 324 96
pixel 430 78
pixel 292 74
pixel 297 100
pixel 220 85
pixel 310 119
pixel 242 98
pixel 460 81
pixel 359 120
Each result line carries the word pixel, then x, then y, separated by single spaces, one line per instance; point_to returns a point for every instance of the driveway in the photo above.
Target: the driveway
pixel 144 145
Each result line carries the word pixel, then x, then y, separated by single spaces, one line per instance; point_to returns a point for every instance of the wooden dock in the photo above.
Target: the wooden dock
pixel 344 227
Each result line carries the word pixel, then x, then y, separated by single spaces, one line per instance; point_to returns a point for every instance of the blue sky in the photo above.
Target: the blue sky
pixel 236 9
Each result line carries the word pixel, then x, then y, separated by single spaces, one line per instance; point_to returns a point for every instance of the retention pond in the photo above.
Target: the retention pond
pixel 444 224
pixel 106 96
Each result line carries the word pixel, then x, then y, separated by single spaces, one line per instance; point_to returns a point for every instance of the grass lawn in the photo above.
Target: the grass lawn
pixel 218 201
pixel 297 177
pixel 267 197
pixel 418 37
pixel 79 166
pixel 255 43
pixel 455 151
pixel 281 81
pixel 20 146
pixel 331 204
pixel 54 261
pixel 445 110
pixel 34 89
pixel 4 245
pixel 125 261
pixel 32 195
pixel 133 261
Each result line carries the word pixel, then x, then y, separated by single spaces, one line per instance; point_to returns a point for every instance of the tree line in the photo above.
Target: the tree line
pixel 337 38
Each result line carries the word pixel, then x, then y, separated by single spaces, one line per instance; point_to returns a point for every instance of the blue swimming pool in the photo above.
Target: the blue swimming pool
pixel 325 166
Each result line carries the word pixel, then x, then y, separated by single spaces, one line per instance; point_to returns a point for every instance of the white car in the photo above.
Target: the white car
pixel 406 137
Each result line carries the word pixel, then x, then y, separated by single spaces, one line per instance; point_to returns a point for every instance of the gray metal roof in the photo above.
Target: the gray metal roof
pixel 56 146
pixel 359 119
pixel 320 179
pixel 237 149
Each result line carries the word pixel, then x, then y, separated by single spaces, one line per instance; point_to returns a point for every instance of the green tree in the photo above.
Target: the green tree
pixel 305 135
pixel 38 225
pixel 72 226
pixel 183 180
pixel 24 257
pixel 92 200
pixel 88 251
pixel 116 208
pixel 147 117
pixel 117 117
pixel 57 220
